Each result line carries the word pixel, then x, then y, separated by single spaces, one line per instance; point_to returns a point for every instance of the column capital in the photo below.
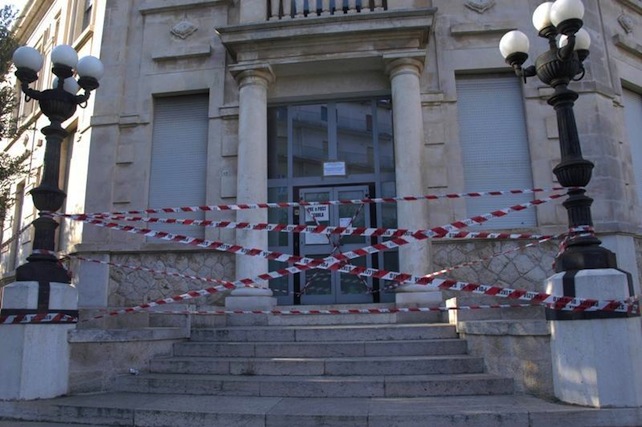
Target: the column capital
pixel 251 74
pixel 404 63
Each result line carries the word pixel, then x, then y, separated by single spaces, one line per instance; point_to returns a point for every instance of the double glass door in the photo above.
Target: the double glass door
pixel 324 286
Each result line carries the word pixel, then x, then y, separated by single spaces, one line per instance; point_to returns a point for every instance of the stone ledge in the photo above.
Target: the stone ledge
pixel 628 44
pixel 149 6
pixel 474 29
pixel 126 335
pixel 185 52
pixel 504 327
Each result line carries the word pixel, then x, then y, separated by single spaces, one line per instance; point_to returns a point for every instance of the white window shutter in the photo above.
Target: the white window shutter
pixel 179 157
pixel 495 153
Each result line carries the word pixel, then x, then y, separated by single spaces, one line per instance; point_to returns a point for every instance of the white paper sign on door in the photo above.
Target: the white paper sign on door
pixel 319 212
pixel 316 214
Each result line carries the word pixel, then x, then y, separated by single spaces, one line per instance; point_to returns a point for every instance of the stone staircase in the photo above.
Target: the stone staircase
pixel 368 360
pixel 367 370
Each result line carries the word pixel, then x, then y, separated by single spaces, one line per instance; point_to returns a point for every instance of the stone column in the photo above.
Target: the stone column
pixel 404 71
pixel 252 182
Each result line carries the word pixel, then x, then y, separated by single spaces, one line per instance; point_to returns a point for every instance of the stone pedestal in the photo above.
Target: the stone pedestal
pixel 596 362
pixel 417 296
pixel 34 358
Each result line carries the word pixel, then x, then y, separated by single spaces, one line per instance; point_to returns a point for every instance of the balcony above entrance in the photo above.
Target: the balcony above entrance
pixel 298 9
pixel 316 42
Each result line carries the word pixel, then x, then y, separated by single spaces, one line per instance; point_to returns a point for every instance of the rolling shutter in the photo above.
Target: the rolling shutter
pixel 495 153
pixel 179 157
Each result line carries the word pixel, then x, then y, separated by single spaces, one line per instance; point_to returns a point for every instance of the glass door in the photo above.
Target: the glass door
pixel 328 287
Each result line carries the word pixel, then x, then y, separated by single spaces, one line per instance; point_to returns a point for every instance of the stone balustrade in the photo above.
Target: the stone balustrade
pixel 296 9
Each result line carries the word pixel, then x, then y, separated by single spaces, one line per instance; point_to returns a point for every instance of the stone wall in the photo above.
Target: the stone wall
pixel 516 349
pixel 525 268
pixel 129 287
pixel 98 356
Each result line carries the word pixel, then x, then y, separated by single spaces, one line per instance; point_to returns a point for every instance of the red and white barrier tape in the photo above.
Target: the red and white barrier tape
pixel 436 233
pixel 329 261
pixel 211 280
pixel 333 311
pixel 329 202
pixel 15 319
pixel 559 303
pixel 336 264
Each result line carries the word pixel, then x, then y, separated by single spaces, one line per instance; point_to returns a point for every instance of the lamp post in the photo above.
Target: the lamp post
pixel 600 342
pixel 42 289
pixel 560 22
pixel 57 104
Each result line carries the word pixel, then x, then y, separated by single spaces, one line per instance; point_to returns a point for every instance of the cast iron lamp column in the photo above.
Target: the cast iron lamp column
pixel 58 104
pixel 594 354
pixel 560 22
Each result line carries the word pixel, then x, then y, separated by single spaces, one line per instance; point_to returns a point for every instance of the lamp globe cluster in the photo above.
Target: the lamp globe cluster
pixel 57 104
pixel 561 23
pixel 90 70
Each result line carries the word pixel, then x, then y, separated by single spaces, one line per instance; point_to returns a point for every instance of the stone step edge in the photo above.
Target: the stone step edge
pixel 439 410
pixel 312 378
pixel 363 359
pixel 326 327
pixel 324 343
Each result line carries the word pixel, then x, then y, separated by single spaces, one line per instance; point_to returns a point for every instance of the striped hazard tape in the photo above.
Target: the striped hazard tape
pixel 330 261
pixel 338 263
pixel 15 319
pixel 436 233
pixel 557 302
pixel 366 310
pixel 232 207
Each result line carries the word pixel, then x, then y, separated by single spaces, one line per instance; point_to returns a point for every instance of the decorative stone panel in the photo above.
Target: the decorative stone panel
pixel 129 287
pixel 521 269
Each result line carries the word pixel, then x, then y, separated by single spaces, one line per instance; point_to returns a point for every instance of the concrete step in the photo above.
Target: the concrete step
pixel 432 347
pixel 44 424
pixel 351 319
pixel 282 319
pixel 171 410
pixel 318 386
pixel 397 365
pixel 319 333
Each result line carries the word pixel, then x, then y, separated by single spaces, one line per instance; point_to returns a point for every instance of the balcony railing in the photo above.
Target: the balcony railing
pixel 293 9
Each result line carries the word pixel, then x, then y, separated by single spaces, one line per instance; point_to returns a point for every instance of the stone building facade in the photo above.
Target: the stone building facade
pixel 210 102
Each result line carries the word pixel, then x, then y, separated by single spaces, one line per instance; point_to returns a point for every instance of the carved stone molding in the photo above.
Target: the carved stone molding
pixel 636 5
pixel 626 22
pixel 479 6
pixel 628 44
pixel 183 29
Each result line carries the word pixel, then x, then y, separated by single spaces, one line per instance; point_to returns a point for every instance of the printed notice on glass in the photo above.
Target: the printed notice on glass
pixel 317 212
pixel 334 168
pixel 314 215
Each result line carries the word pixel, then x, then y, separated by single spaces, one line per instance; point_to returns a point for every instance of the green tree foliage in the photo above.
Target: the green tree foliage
pixel 7 93
pixel 10 167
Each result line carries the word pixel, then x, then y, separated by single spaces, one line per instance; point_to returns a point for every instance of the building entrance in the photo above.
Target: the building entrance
pixel 331 150
pixel 324 286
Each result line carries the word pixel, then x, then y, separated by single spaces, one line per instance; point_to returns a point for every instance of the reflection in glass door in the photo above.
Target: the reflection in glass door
pixel 328 287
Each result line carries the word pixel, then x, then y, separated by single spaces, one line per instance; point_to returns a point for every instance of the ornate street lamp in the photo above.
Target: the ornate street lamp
pixel 560 22
pixel 58 104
